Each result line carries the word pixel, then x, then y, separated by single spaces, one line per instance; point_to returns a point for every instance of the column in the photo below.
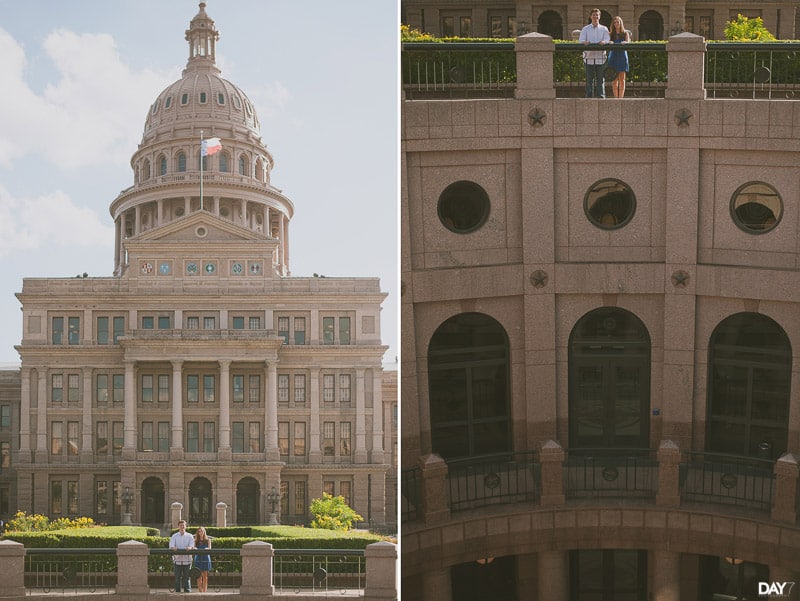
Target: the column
pixel 669 463
pixel 784 501
pixel 534 53
pixel 176 444
pixel 24 455
pixel 271 411
pixel 285 242
pixel 215 204
pixel 257 570
pixel 433 506
pixel 377 416
pixel 86 426
pixel 666 576
pixel 224 410
pixel 554 575
pixel 117 242
pixel 314 451
pixel 187 203
pixel 360 450
pixel 12 566
pixel 437 586
pixel 41 417
pixel 686 67
pixel 129 426
pixel 551 457
pixel 132 559
pixel 381 560
pixel 137 220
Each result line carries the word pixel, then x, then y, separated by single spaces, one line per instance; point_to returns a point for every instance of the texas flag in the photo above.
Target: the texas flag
pixel 210 146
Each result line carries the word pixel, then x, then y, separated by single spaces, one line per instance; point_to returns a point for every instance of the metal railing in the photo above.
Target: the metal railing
pixel 319 570
pixel 594 473
pixel 225 573
pixel 746 70
pixel 410 493
pixel 71 570
pixel 494 479
pixel 727 479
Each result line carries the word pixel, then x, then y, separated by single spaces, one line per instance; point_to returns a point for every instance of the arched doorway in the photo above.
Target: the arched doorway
pixel 153 501
pixel 200 502
pixel 651 26
pixel 609 381
pixel 248 494
pixel 468 379
pixel 749 378
pixel 550 23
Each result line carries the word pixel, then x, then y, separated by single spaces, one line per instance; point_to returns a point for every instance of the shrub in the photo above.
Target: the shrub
pixel 743 29
pixel 22 522
pixel 332 513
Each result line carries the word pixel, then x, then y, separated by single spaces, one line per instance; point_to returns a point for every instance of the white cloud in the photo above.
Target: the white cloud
pixel 52 219
pixel 91 115
pixel 270 99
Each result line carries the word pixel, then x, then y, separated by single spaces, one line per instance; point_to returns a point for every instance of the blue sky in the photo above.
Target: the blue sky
pixel 79 77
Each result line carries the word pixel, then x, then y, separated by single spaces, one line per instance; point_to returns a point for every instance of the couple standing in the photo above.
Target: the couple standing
pixel 595 60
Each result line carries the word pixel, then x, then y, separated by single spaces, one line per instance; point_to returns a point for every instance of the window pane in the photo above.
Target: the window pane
pixel 164 323
pixel 192 388
pixel 147 388
pixel 299 439
pixel 101 438
pixel 255 389
pixel 237 437
pixel 102 330
pixel 74 323
pixel 327 330
pixel 238 323
pixel 163 437
pixel 101 395
pixel 238 389
pixel 163 388
pixel 209 438
pixel 255 437
pixel 74 381
pixel 344 330
pixel 209 388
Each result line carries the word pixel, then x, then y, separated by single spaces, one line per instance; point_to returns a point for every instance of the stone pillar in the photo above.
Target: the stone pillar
pixel 257 570
pixel 669 463
pixel 686 67
pixel 176 443
pixel 175 513
pixel 86 425
pixel 377 417
pixel 551 457
pixel 666 576
pixel 784 501
pixel 222 515
pixel 132 568
pixel 271 417
pixel 12 566
pixel 554 575
pixel 137 220
pixel 314 450
pixel 24 454
pixel 360 450
pixel 437 585
pixel 535 66
pixel 434 503
pixel 129 425
pixel 224 411
pixel 41 417
pixel 381 561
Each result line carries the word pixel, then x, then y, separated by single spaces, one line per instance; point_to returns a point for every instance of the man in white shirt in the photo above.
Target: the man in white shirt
pixel 595 60
pixel 182 540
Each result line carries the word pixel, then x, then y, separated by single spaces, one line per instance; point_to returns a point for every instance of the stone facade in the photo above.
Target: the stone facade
pixel 524 268
pixel 201 372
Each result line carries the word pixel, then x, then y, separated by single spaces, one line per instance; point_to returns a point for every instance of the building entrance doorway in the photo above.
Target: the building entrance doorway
pixel 247 501
pixel 200 502
pixel 608 575
pixel 152 501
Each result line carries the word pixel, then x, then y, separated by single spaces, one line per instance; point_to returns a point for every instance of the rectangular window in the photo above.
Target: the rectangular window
pixel 344 330
pixel 238 323
pixel 238 389
pixel 299 330
pixel 119 388
pixel 116 496
pixel 284 497
pixel 72 438
pixel 73 388
pixel 237 437
pixel 328 487
pixel 299 389
pixel 148 322
pixel 74 330
pixel 192 388
pixel 209 323
pixel 209 388
pixel 255 437
pixel 344 388
pixel 147 436
pixel 283 388
pixel 5 418
pixel 254 323
pixel 163 437
pixel 283 438
pixel 192 323
pixel 101 392
pixel 300 498
pixel 72 497
pixel 344 491
pixel 102 330
pixel 328 438
pixel 55 497
pixel 101 497
pixel 255 389
pixel 147 389
pixel 327 330
pixel 299 439
pixel 119 328
pixel 448 27
pixel 58 330
pixel 328 388
pixel 164 323
pixel 56 438
pixel 496 26
pixel 163 388
pixel 192 437
pixel 706 28
pixel 117 437
pixel 209 437
pixel 283 329
pixel 344 439
pixel 57 388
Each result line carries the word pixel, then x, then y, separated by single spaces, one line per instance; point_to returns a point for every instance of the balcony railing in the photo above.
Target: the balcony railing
pixel 489 69
pixel 596 473
pixel 726 479
pixel 494 479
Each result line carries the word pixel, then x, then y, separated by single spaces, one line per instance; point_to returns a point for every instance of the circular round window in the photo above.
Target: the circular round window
pixel 463 207
pixel 756 207
pixel 609 204
pixel 201 232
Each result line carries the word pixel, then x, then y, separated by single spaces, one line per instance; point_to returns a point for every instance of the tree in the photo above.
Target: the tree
pixel 332 513
pixel 743 29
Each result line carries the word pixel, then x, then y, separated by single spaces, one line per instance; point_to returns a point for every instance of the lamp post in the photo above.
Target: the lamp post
pixel 273 497
pixel 127 497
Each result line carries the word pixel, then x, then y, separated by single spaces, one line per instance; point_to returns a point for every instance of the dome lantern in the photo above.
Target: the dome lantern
pixel 202 38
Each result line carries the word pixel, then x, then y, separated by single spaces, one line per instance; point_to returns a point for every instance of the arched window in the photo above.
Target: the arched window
pixel 651 26
pixel 259 171
pixel 749 377
pixel 468 379
pixel 152 501
pixel 223 162
pixel 550 24
pixel 162 165
pixel 181 162
pixel 242 165
pixel 200 501
pixel 146 170
pixel 609 381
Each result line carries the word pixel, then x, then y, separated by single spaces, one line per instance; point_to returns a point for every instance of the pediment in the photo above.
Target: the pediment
pixel 199 227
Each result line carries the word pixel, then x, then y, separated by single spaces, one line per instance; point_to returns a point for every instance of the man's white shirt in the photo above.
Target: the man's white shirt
pixel 594 35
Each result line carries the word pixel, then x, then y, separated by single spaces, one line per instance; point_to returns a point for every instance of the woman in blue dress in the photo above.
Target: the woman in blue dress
pixel 618 59
pixel 203 562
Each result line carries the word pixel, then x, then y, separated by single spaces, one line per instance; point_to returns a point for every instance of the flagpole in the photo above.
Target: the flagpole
pixel 201 169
